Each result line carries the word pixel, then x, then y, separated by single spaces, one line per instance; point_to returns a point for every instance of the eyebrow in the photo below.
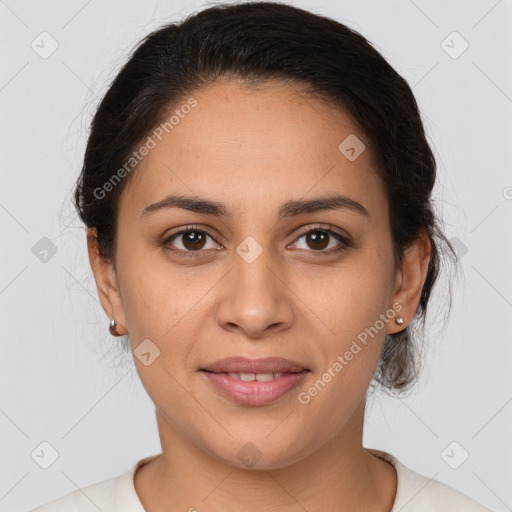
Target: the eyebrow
pixel 289 209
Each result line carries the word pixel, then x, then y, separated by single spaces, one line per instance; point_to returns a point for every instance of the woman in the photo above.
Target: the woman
pixel 257 194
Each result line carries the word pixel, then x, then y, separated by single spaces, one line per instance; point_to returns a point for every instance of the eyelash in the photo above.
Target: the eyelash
pixel 317 227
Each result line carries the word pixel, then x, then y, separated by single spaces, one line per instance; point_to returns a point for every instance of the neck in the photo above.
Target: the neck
pixel 341 475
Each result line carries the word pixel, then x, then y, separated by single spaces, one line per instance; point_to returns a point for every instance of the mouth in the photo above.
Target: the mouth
pixel 255 382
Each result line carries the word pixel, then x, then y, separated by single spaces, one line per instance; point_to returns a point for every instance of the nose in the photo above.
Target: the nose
pixel 255 298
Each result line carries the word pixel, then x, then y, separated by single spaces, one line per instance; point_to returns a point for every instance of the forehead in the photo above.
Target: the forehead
pixel 243 145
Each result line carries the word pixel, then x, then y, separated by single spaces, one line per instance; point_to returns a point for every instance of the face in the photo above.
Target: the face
pixel 261 273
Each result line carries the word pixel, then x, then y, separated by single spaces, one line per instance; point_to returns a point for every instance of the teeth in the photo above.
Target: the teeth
pixel 260 377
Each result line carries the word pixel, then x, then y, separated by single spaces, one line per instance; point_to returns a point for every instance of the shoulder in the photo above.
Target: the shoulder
pixel 98 496
pixel 116 494
pixel 418 493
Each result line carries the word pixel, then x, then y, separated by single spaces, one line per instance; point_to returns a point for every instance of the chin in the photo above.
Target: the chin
pixel 260 452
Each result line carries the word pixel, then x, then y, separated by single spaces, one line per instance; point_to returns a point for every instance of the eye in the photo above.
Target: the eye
pixel 319 238
pixel 191 239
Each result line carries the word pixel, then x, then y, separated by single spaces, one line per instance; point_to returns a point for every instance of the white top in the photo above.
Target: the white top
pixel 415 493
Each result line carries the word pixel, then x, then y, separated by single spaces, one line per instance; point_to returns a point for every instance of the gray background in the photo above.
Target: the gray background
pixel 62 379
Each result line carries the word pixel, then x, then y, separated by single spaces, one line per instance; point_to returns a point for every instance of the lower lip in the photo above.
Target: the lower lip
pixel 255 392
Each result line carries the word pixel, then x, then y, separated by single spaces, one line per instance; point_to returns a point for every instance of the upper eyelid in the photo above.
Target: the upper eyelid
pixel 319 227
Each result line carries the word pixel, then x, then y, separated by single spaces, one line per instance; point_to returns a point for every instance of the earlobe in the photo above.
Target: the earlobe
pixel 409 281
pixel 106 282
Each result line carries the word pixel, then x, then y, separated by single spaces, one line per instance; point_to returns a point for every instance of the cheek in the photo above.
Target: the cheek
pixel 162 307
pixel 352 309
pixel 348 298
pixel 151 296
pixel 153 310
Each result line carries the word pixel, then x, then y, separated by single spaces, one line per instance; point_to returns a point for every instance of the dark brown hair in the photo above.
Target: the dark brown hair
pixel 258 42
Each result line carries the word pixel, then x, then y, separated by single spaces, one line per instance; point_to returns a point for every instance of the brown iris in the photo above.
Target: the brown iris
pixel 194 240
pixel 320 238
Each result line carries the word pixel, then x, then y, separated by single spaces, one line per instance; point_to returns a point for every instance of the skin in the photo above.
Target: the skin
pixel 253 150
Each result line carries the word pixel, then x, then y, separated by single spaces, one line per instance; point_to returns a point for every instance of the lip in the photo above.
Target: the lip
pixel 246 365
pixel 255 392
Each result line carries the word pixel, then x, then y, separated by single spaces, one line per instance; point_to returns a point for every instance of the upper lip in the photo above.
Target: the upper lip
pixel 246 365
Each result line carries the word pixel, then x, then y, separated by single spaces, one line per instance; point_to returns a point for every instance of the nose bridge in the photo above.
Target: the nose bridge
pixel 252 274
pixel 255 297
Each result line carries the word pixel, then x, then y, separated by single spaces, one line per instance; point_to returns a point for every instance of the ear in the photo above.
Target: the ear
pixel 409 281
pixel 106 282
